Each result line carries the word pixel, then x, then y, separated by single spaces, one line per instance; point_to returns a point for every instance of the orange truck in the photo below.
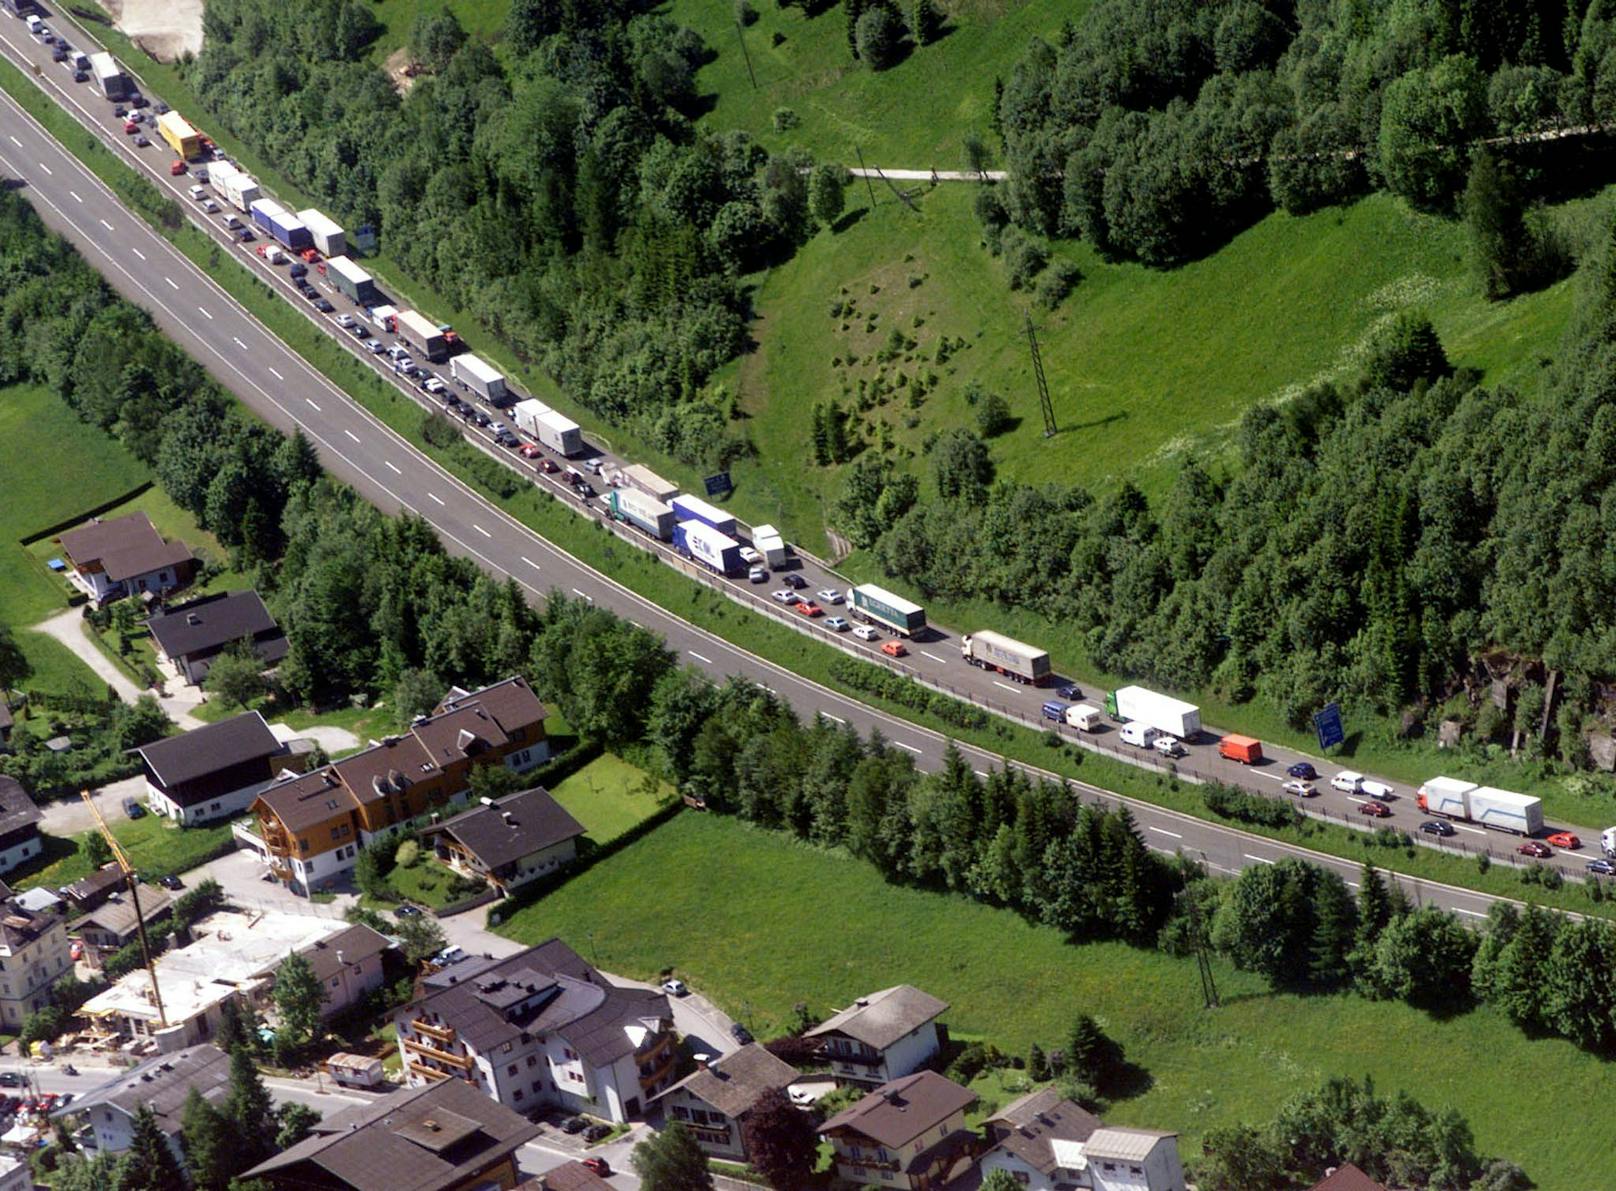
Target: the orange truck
pixel 1245 749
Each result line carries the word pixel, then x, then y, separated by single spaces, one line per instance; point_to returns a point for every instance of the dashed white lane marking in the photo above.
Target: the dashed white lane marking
pixel 351 435
pixel 1258 859
pixel 106 225
pixel 1472 913
pixel 1005 686
pixel 47 169
pixel 1164 831
pixel 910 747
pixel 172 284
pixel 277 375
pixel 481 530
pixel 205 313
pixel 835 719
pixel 392 467
pixel 529 561
pixel 435 497
pixel 933 656
pixel 138 252
pixel 75 195
pixel 310 400
pixel 584 594
pixel 704 660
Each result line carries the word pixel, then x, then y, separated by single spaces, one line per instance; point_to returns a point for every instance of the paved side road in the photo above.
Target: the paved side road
pixel 68 628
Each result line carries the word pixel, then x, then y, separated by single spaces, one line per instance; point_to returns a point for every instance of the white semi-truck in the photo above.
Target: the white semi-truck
pixel 1135 704
pixel 1485 806
pixel 483 379
pixel 988 650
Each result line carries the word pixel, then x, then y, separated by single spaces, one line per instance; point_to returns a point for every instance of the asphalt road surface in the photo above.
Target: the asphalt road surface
pixel 272 380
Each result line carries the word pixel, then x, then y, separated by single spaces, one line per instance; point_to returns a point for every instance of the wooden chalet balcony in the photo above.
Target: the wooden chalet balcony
pixel 274 835
pixel 442 1056
pixel 656 1066
pixel 866 1059
pixel 869 1162
pixel 431 1073
pixel 441 1033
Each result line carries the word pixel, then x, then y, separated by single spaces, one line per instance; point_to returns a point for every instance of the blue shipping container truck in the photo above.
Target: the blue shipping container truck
pixel 691 508
pixel 289 230
pixel 638 509
pixel 705 544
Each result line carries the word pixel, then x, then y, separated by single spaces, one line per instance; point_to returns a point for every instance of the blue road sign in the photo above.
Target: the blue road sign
pixel 1327 724
pixel 718 485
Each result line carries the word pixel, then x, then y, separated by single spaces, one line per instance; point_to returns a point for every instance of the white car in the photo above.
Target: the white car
pixel 1379 791
pixel 675 988
pixel 1346 781
pixel 1299 788
pixel 750 556
pixel 197 193
pixel 829 595
pixel 836 624
pixel 785 595
pixel 865 633
pixel 211 207
pixel 758 575
pixel 345 321
pixel 595 465
pixel 1168 746
pixel 374 346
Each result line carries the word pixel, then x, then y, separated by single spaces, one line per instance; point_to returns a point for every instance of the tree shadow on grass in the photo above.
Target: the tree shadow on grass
pixel 848 220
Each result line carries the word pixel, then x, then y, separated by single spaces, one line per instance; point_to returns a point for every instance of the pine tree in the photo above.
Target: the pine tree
pixel 853 9
pixel 1334 923
pixel 1374 912
pixel 1397 903
pixel 209 1145
pixel 1037 1064
pixel 250 1108
pixel 822 451
pixel 925 22
pixel 149 1163
pixel 1090 1055
pixel 1518 982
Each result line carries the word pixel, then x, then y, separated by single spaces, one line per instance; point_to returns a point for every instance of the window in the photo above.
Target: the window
pixel 518 1093
pixel 537 1084
pixel 335 980
pixel 531 1060
pixel 680 1112
pixel 511 1070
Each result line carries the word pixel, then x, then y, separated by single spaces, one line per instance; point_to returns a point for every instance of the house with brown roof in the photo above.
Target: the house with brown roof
pixel 569 1176
pixel 19 825
pixel 909 1133
pixel 539 1029
pixel 214 771
pixel 108 560
pixel 348 966
pixel 510 841
pixel 1047 1143
pixel 439 1137
pixel 89 892
pixel 714 1101
pixel 1347 1177
pixel 881 1037
pixel 191 635
pixel 310 828
pixel 160 1084
pixel 112 925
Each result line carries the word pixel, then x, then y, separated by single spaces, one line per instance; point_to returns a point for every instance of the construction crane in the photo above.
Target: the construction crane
pixel 133 882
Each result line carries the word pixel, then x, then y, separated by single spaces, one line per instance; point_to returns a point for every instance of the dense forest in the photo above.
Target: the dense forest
pixel 558 191
pixel 1156 128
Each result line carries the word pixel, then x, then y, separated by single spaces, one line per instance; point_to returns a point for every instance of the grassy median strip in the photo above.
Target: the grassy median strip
pixel 592 543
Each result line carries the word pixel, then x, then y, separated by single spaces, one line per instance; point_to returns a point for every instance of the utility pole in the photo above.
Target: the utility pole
pixel 1203 965
pixel 1044 403
pixel 870 186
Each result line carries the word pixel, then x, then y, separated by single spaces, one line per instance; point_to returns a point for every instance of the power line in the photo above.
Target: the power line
pixel 868 185
pixel 1044 402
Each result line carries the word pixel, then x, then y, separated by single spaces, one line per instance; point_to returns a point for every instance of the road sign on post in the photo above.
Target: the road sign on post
pixel 1327 724
pixel 718 485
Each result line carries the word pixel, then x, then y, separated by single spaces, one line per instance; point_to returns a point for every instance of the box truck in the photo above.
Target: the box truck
pixel 876 605
pixel 705 544
pixel 483 379
pixel 1172 716
pixel 424 337
pixel 353 281
pixel 646 512
pixel 328 237
pixel 638 476
pixel 181 137
pixel 1244 749
pixel 767 541
pixel 109 76
pixel 560 433
pixel 1519 814
pixel 526 413
pixel 233 186
pixel 1607 841
pixel 693 508
pixel 988 650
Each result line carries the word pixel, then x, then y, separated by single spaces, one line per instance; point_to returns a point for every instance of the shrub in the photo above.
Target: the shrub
pixel 439 431
pixel 992 415
pixel 1057 283
pixel 1024 257
pixel 745 14
pixel 1230 803
pixel 785 119
pixel 408 853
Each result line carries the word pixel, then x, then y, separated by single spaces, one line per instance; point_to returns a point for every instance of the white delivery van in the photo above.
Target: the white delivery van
pixel 1347 781
pixel 1083 717
pixel 1141 736
pixel 1607 841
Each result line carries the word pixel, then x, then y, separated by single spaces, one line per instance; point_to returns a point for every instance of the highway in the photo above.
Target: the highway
pixel 272 380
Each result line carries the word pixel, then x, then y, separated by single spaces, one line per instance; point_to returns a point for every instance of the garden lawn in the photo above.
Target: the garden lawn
pixel 425 882
pixel 155 847
pixel 608 796
pixel 775 922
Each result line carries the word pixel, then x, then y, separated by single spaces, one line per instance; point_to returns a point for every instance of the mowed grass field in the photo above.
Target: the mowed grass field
pixel 608 797
pixel 760 922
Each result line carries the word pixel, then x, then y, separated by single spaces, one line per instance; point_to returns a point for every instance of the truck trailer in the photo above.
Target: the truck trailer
pixel 181 137
pixel 233 186
pixel 646 512
pixel 423 336
pixel 642 478
pixel 353 281
pixel 707 545
pixel 693 508
pixel 525 414
pixel 328 237
pixel 988 650
pixel 355 1071
pixel 280 223
pixel 560 433
pixel 483 379
pixel 109 76
pixel 879 606
pixel 767 541
pixel 1486 806
pixel 1161 712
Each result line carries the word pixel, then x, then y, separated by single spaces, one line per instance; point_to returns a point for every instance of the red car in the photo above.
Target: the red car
pixel 808 608
pixel 130 128
pixel 1565 839
pixel 1378 810
pixel 893 649
pixel 546 465
pixel 176 168
pixel 598 1165
pixel 1535 847
pixel 530 450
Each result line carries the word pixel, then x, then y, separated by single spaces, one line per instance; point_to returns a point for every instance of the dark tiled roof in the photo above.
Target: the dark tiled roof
pixel 418 1139
pixel 569 1176
pixel 93 889
pixel 512 827
pixel 16 808
pixel 1348 1177
pixel 214 621
pixel 884 1017
pixel 208 749
pixel 162 1084
pixel 898 1112
pixel 545 989
pixel 117 914
pixel 125 547
pixel 393 765
pixel 302 802
pixel 735 1083
pixel 463 732
pixel 356 944
pixel 510 701
pixel 1025 1127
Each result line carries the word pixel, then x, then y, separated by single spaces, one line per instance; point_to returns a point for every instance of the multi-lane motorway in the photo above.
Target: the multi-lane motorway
pixel 279 386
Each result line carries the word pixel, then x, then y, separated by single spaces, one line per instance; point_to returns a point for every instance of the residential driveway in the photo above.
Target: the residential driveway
pixel 705 1025
pixel 241 875
pixel 68 628
pixel 332 740
pixel 69 816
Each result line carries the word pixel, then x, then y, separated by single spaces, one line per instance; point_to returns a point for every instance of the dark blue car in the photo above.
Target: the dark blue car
pixel 1304 771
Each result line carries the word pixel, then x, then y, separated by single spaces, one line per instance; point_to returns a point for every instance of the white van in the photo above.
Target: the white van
pixel 197 193
pixel 36 26
pixel 1141 736
pixel 1083 717
pixel 1607 841
pixel 1347 781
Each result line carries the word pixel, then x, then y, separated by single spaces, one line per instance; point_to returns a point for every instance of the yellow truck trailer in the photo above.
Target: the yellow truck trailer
pixel 181 137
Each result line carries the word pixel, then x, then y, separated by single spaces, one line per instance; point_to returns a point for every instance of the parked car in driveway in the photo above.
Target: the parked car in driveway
pixel 596 1165
pixel 675 987
pixel 1537 848
pixel 740 1033
pixel 598 1133
pixel 407 911
pixel 574 1125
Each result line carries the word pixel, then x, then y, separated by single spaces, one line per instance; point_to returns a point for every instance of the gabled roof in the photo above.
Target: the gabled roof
pixel 898 1112
pixel 884 1017
pixel 354 945
pixel 214 621
pixel 124 547
pixel 420 1139
pixel 93 889
pixel 210 748
pixel 569 1176
pixel 1347 1177
pixel 512 827
pixel 116 915
pixel 1123 1144
pixel 162 1084
pixel 734 1083
pixel 301 802
pixel 1034 1127
pixel 17 810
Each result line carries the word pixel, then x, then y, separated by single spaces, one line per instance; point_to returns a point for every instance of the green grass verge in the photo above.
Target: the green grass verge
pixel 155 847
pixel 592 544
pixel 609 796
pixel 797 924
